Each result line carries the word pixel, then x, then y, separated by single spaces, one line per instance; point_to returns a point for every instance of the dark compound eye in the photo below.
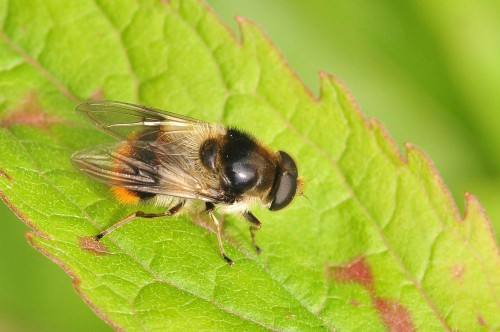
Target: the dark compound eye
pixel 285 186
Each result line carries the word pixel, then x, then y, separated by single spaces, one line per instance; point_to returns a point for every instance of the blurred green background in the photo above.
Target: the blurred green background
pixel 429 70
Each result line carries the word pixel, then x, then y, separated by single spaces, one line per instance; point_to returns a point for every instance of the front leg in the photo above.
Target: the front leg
pixel 255 226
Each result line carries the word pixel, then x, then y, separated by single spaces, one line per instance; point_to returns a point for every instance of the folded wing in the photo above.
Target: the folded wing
pixel 150 167
pixel 124 120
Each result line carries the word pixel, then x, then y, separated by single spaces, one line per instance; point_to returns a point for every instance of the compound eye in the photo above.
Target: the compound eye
pixel 285 192
pixel 285 187
pixel 288 164
pixel 241 176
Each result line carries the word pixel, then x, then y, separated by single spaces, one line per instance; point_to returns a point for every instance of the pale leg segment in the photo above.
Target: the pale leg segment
pixel 210 210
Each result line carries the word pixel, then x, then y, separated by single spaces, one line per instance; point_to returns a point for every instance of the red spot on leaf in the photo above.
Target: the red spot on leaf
pixel 97 95
pixel 355 303
pixel 457 272
pixel 357 272
pixel 481 321
pixel 29 113
pixel 394 315
pixel 90 244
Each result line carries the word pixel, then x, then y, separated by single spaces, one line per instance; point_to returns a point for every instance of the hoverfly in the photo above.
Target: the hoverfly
pixel 181 163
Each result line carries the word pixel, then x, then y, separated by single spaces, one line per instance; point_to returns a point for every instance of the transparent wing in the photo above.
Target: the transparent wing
pixel 123 120
pixel 151 167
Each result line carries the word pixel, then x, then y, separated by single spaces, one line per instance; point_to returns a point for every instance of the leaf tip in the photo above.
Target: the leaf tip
pixel 252 34
pixel 420 163
pixel 474 209
pixel 385 140
pixel 332 84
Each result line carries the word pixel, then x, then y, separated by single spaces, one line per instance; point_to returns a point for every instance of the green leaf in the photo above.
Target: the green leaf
pixel 379 244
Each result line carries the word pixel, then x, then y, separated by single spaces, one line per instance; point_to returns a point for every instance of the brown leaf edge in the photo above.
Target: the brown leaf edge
pixel 75 281
pixel 472 203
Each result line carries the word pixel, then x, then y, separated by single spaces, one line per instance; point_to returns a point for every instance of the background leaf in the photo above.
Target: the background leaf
pixel 380 239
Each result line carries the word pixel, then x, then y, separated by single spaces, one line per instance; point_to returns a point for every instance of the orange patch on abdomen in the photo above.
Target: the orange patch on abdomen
pixel 130 152
pixel 125 195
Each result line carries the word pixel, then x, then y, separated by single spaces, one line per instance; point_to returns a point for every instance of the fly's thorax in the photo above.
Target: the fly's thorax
pixel 244 167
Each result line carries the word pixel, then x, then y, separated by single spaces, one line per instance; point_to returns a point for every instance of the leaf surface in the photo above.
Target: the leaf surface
pixel 379 244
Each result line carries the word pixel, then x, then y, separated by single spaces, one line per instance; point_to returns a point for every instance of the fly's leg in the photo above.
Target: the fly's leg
pixel 139 214
pixel 209 208
pixel 255 227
